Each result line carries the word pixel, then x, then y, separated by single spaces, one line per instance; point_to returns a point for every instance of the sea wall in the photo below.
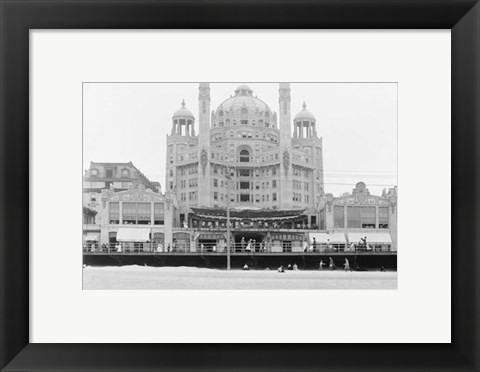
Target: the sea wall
pixel 272 261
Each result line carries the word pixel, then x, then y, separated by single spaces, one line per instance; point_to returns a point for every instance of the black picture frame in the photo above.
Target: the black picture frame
pixel 18 17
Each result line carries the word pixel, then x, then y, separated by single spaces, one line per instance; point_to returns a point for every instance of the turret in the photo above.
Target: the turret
pixel 304 123
pixel 183 122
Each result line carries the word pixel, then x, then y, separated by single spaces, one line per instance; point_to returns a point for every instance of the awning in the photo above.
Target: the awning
pixel 324 238
pixel 372 237
pixel 91 238
pixel 128 234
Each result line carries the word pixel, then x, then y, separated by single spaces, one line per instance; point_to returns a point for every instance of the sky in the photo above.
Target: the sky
pixel 125 122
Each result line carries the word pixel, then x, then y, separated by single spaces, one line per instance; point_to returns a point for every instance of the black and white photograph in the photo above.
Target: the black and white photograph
pixel 239 185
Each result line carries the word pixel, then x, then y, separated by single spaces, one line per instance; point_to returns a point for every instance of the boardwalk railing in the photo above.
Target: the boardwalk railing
pixel 153 248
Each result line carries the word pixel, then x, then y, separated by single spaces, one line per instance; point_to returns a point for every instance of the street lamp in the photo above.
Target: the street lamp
pixel 227 176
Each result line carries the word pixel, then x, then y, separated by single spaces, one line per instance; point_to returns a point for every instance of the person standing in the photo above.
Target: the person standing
pixel 347 265
pixel 242 243
pixel 352 247
pixel 314 244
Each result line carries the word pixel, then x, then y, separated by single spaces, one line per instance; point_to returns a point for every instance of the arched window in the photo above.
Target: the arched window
pixel 244 156
pixel 244 116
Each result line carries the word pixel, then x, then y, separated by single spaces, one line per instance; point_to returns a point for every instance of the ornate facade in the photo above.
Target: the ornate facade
pixel 245 152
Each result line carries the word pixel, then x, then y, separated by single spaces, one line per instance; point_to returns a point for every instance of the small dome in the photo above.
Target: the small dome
pixel 304 114
pixel 183 112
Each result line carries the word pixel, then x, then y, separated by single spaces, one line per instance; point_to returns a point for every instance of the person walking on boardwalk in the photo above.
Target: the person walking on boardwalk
pixel 331 264
pixel 321 265
pixel 347 265
pixel 242 243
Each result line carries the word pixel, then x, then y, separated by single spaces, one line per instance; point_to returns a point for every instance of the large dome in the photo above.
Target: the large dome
pixel 183 112
pixel 243 99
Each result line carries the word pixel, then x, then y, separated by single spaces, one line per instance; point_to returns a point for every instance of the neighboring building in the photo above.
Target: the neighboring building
pixel 119 176
pixel 359 215
pixel 246 141
pixel 139 218
pixel 115 177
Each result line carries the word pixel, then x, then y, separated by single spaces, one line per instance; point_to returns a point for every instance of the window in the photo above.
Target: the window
pixel 171 172
pixel 367 216
pixel 94 172
pixel 244 113
pixel 339 217
pixel 129 213
pixel 383 217
pixel 215 182
pixel 361 217
pixel 274 171
pixel 244 197
pixel 274 196
pixel 215 195
pixel 244 156
pixel 244 185
pixel 144 213
pixel 114 213
pixel 159 212
pixel 353 217
pixel 245 122
pixel 274 184
pixel 257 186
pixel 125 173
pixel 109 173
pixel 244 173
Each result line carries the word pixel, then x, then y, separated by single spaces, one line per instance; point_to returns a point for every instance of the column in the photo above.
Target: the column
pixel 345 220
pixel 376 217
pixel 120 211
pixel 152 217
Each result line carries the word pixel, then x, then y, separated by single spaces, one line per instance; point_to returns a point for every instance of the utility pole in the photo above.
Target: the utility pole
pixel 227 176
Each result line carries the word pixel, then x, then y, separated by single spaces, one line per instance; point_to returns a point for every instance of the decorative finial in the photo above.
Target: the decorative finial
pixel 183 103
pixel 304 106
